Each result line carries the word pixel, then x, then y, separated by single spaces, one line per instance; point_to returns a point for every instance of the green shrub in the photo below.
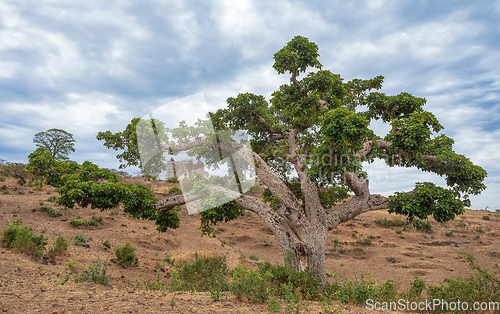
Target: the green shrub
pixel 253 257
pixel 6 191
pixel 106 243
pixel 448 233
pixel 202 274
pixel 482 286
pixel 364 241
pixel 2 179
pixel 126 255
pixel 52 199
pixel 59 247
pixel 96 273
pixel 44 208
pixel 304 280
pixel 175 190
pixel 79 240
pixel 173 180
pixel 54 212
pixel 486 217
pixel 21 239
pixel 396 222
pixel 421 225
pixel 76 222
pixel 21 181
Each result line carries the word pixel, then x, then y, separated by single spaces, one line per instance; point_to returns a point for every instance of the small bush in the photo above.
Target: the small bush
pixel 2 179
pixel 106 243
pixel 358 249
pixel 486 217
pixel 173 180
pixel 365 241
pixel 79 240
pixel 54 212
pixel 399 231
pixel 6 191
pixel 59 247
pixel 449 233
pixel 21 239
pixel 396 222
pixel 76 222
pixel 421 225
pixel 44 208
pixel 96 273
pixel 21 181
pixel 52 199
pixel 202 274
pixel 175 190
pixel 253 257
pixel 126 255
pixel 391 259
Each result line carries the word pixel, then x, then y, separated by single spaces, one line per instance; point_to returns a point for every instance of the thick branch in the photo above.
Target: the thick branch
pixel 168 203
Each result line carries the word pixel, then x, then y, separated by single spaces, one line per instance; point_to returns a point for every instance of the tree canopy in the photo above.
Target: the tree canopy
pixel 58 143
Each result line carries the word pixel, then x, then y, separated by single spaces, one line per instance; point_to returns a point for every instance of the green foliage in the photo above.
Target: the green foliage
pixel 483 286
pixel 98 188
pixel 21 239
pixel 96 272
pixel 106 243
pixel 79 240
pixel 76 222
pixel 425 200
pixel 202 274
pixel 59 247
pixel 152 132
pixel 52 199
pixel 58 143
pixel 54 212
pixel 422 225
pixel 175 190
pixel 126 255
pixel 173 180
pixel 395 222
pixel 2 178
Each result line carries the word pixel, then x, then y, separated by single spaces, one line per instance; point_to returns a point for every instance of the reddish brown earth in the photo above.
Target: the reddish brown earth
pixel 28 285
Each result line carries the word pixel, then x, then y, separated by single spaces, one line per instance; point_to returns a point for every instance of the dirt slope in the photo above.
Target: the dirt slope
pixel 29 285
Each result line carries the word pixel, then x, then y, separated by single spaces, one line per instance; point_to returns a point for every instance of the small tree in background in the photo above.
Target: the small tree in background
pixel 58 143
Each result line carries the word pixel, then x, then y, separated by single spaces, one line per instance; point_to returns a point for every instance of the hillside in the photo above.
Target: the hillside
pixel 361 246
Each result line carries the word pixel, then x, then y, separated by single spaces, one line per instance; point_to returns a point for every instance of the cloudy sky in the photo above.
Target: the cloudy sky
pixel 90 66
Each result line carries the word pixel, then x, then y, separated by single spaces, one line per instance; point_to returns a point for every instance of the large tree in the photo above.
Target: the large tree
pixel 58 143
pixel 308 145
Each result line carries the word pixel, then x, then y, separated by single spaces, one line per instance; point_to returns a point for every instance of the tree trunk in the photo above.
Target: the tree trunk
pixel 306 252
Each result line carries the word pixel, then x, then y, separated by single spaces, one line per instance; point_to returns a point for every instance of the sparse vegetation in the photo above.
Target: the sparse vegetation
pixel 253 257
pixel 421 225
pixel 175 190
pixel 391 259
pixel 448 233
pixel 54 212
pixel 126 255
pixel 364 241
pixel 388 223
pixel 173 180
pixel 59 247
pixel 79 240
pixel 106 243
pixel 21 239
pixel 486 217
pixel 96 272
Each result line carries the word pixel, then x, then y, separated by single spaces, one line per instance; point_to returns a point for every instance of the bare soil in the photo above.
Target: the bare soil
pixel 29 285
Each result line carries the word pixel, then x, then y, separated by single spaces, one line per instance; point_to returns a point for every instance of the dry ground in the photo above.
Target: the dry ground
pixel 29 285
